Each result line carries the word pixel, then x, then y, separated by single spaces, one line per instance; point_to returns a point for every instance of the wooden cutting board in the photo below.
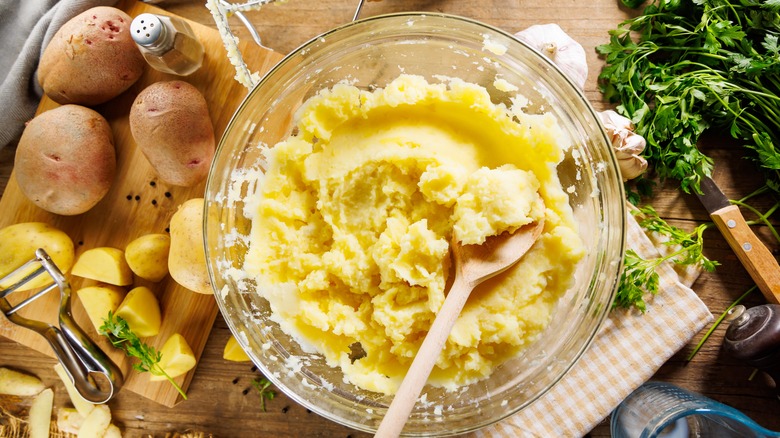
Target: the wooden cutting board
pixel 138 203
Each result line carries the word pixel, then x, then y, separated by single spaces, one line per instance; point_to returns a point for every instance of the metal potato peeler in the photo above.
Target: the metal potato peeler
pixel 93 374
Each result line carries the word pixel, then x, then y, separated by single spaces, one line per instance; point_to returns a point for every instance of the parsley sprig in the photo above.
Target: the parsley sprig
pixel 682 67
pixel 118 332
pixel 263 385
pixel 639 275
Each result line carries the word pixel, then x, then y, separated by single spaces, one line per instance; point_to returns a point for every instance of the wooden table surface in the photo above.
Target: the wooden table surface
pixel 221 401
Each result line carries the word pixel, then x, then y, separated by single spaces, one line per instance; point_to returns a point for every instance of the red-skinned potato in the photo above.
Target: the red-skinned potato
pixel 171 125
pixel 91 59
pixel 65 161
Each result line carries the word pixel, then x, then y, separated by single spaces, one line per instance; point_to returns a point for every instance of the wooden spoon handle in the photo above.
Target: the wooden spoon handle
pixel 394 420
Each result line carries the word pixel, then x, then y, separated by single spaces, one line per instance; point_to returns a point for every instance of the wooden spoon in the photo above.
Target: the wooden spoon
pixel 473 265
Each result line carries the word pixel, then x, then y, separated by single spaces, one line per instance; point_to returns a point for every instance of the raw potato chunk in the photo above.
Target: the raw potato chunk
pixel 66 160
pixel 99 300
pixel 234 352
pixel 147 256
pixel 40 414
pixel 113 431
pixel 170 122
pixel 141 310
pixel 176 357
pixel 19 384
pixel 187 259
pixel 104 264
pixel 96 423
pixel 18 243
pixel 82 406
pixel 69 420
pixel 92 58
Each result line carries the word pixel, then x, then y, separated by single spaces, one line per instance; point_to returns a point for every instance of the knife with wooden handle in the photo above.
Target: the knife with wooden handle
pixel 755 257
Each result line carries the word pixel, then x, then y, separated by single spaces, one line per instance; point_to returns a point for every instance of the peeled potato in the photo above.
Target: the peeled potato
pixel 234 352
pixel 141 310
pixel 99 300
pixel 176 357
pixel 170 122
pixel 18 383
pixel 18 244
pixel 40 414
pixel 69 420
pixel 96 422
pixel 104 264
pixel 113 431
pixel 82 406
pixel 91 59
pixel 66 161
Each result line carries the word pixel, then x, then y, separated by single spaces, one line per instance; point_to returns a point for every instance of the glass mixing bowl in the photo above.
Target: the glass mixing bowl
pixel 370 53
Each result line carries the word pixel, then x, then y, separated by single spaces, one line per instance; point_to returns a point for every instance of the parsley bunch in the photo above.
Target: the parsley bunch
pixel 118 332
pixel 639 275
pixel 685 66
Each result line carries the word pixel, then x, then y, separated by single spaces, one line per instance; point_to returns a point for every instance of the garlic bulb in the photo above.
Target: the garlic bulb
pixel 564 51
pixel 626 143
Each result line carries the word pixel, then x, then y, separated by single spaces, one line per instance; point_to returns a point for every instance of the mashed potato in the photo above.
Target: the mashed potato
pixel 351 241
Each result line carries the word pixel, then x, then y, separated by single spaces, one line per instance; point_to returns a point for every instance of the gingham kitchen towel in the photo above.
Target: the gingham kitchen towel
pixel 628 350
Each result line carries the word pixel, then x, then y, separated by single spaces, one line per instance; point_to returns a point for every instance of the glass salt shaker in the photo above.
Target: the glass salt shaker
pixel 167 43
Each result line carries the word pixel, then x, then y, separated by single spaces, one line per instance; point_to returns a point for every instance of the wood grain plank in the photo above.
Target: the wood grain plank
pixel 138 203
pixel 284 27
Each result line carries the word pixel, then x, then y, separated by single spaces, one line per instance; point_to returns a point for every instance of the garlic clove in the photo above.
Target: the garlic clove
pixel 632 167
pixel 626 143
pixel 615 121
pixel 560 48
pixel 633 144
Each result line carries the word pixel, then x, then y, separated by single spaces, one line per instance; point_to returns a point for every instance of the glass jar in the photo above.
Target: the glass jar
pixel 663 410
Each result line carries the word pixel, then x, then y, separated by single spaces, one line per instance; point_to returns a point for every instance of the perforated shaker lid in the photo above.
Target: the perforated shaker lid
pixel 146 29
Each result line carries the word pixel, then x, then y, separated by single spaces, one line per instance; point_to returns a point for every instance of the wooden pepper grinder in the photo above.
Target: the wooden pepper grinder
pixel 754 338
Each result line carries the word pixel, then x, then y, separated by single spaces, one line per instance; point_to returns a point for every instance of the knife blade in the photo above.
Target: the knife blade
pixel 751 252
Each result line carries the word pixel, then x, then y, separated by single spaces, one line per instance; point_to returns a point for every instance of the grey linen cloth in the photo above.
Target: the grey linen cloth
pixel 26 26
